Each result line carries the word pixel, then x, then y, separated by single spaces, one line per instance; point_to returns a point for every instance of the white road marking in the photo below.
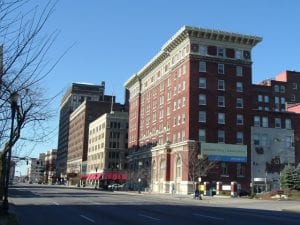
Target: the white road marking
pixel 87 218
pixel 149 217
pixel 209 217
pixel 55 203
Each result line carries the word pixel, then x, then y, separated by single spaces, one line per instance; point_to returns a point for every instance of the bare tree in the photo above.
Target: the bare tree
pixel 23 66
pixel 197 164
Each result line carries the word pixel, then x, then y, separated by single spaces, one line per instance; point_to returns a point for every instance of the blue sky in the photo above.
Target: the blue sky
pixel 114 39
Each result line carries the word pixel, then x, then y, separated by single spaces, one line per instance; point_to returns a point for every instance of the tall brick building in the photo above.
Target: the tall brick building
pixel 196 89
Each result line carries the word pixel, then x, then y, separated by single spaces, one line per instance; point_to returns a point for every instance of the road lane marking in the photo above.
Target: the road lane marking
pixel 149 217
pixel 55 203
pixel 87 218
pixel 209 217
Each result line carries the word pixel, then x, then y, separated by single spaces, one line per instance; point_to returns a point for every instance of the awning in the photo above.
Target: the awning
pixel 94 176
pixel 115 176
pixel 83 177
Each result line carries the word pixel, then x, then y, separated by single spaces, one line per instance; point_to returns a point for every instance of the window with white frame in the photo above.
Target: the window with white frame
pixel 202 116
pixel 178 168
pixel 259 98
pixel 221 69
pixel 239 119
pixel 221 118
pixel 288 124
pixel 256 121
pixel 265 121
pixel 276 88
pixel 221 136
pixel 220 52
pixel 202 135
pixel 293 98
pixel 277 122
pixel 295 86
pixel 221 85
pixel 238 54
pixel 239 103
pixel 202 66
pixel 239 71
pixel 239 86
pixel 202 82
pixel 239 137
pixel 202 99
pixel 202 50
pixel 221 101
pixel 282 100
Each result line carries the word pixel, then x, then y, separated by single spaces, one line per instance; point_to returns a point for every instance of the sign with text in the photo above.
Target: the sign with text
pixel 224 152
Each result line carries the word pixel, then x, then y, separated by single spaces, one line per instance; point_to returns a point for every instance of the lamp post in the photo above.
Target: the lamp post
pixel 13 104
pixel 139 179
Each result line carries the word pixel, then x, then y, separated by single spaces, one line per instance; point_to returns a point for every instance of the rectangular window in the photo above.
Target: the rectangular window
pixel 202 66
pixel 293 98
pixel 239 137
pixel 221 85
pixel 282 100
pixel 282 89
pixel 240 170
pixel 202 116
pixel 265 121
pixel 202 135
pixel 221 136
pixel 256 139
pixel 202 82
pixel 224 169
pixel 288 124
pixel 239 71
pixel 239 86
pixel 295 87
pixel 276 88
pixel 266 98
pixel 221 101
pixel 239 103
pixel 239 119
pixel 202 99
pixel 238 54
pixel 259 98
pixel 220 52
pixel 221 69
pixel 202 50
pixel 256 121
pixel 221 118
pixel 277 123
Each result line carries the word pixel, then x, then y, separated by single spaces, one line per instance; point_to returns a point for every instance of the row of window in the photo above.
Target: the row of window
pixel 221 118
pixel 263 121
pixel 221 85
pixel 221 68
pixel 221 101
pixel 221 136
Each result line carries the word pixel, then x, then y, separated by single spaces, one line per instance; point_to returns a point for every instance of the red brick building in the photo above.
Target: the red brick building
pixel 197 89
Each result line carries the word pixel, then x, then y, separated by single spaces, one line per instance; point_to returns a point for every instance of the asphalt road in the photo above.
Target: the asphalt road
pixel 49 205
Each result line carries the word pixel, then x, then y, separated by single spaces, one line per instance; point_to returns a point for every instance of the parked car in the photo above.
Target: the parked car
pixel 116 186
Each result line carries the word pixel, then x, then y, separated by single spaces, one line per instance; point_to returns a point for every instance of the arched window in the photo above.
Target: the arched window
pixel 162 169
pixel 178 168
pixel 154 171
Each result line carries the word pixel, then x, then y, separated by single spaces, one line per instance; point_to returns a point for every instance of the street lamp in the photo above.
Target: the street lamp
pixel 139 180
pixel 13 104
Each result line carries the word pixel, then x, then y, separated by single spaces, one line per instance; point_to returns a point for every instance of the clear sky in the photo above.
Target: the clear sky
pixel 113 39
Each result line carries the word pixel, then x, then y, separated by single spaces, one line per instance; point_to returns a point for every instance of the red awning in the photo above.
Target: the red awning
pixel 115 176
pixel 83 177
pixel 94 176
